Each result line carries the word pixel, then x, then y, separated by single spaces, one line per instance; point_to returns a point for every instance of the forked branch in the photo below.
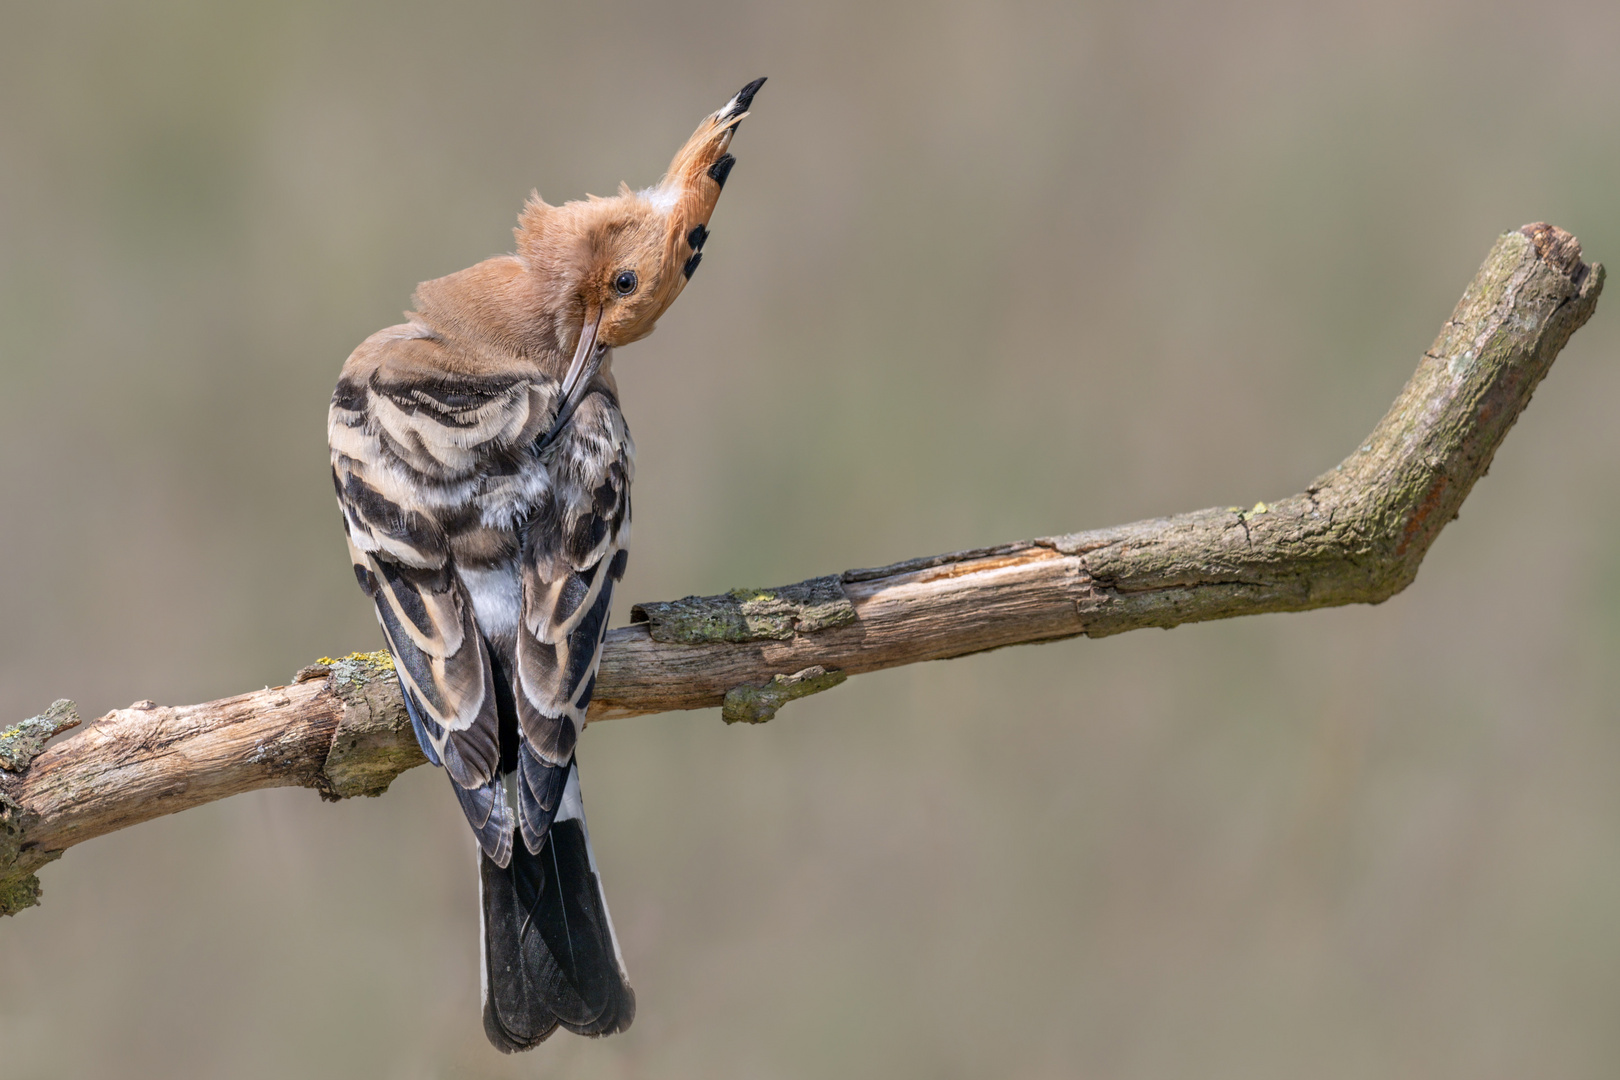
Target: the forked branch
pixel 1356 535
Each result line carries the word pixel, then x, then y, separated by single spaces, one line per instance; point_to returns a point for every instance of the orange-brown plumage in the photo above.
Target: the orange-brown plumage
pixel 533 303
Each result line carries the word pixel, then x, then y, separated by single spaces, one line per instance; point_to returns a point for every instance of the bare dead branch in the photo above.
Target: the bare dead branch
pixel 1356 535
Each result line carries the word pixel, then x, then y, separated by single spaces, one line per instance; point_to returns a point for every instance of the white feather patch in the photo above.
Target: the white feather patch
pixel 571 808
pixel 497 598
pixel 509 792
pixel 663 198
pixel 483 933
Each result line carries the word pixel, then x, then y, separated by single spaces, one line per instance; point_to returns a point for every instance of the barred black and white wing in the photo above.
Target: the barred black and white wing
pixel 411 446
pixel 563 965
pixel 573 554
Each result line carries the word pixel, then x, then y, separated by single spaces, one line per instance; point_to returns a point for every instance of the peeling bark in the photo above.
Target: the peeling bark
pixel 1357 534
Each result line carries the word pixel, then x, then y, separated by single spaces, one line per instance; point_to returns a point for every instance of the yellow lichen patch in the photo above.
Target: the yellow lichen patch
pixel 381 658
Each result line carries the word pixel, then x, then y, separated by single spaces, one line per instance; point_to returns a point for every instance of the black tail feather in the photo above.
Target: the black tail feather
pixel 550 958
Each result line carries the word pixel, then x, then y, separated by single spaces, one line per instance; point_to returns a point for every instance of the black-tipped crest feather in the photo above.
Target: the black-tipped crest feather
pixel 721 169
pixel 741 102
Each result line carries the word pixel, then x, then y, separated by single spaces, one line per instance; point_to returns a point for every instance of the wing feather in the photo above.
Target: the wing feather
pixel 403 432
pixel 571 559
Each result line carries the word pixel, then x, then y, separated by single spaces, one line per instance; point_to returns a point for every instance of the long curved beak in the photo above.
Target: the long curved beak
pixel 581 370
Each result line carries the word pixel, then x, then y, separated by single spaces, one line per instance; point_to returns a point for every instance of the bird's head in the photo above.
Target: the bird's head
pixel 611 267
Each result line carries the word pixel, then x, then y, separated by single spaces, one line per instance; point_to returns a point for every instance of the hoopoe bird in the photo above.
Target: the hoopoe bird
pixel 483 469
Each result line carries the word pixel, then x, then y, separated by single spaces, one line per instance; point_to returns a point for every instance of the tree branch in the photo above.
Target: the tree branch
pixel 1356 535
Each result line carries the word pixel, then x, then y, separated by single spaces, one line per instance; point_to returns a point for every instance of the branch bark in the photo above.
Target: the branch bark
pixel 1356 535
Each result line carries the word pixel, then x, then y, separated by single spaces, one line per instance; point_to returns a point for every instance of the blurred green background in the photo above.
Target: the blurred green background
pixel 983 272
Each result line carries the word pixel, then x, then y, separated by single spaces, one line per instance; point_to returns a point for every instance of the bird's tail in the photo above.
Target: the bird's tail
pixel 550 957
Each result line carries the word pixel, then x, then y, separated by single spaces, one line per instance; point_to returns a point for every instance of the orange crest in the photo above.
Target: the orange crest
pixel 611 267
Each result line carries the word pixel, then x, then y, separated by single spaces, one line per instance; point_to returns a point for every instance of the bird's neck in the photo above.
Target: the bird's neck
pixel 495 312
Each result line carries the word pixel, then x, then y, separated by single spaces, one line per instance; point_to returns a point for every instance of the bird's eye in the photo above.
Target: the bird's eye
pixel 625 283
